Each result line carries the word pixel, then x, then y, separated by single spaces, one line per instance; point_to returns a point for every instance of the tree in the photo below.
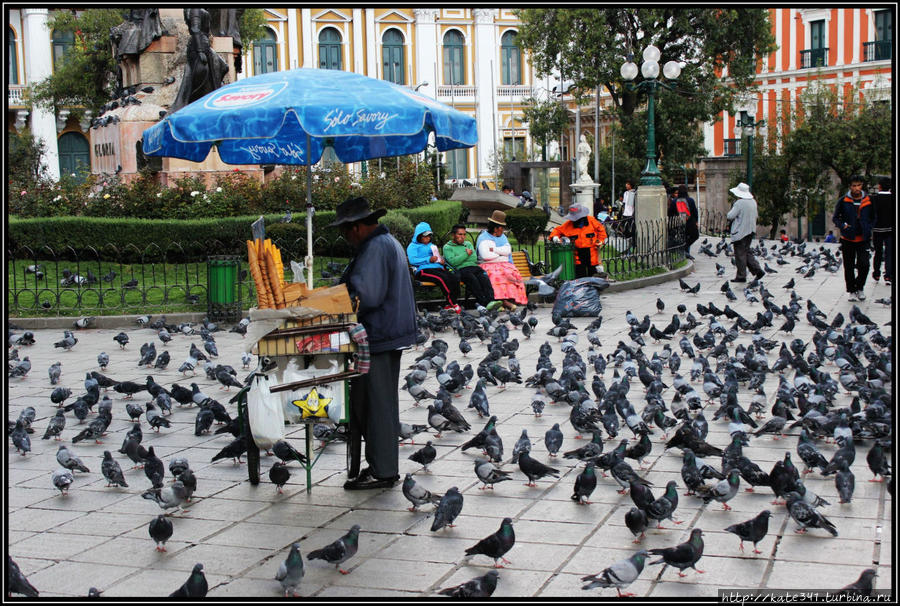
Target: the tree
pixel 589 46
pixel 546 121
pixel 86 77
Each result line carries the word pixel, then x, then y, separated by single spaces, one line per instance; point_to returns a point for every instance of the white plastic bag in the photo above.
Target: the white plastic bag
pixel 265 413
pixel 291 374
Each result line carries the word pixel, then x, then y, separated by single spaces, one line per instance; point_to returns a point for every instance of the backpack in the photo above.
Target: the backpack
pixel 681 205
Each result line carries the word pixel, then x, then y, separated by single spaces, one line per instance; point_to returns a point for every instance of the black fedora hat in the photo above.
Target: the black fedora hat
pixel 355 209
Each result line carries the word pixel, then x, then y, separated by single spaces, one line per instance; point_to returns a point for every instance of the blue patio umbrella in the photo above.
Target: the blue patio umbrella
pixel 290 117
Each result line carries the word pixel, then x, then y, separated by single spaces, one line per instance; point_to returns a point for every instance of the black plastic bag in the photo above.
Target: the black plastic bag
pixel 579 298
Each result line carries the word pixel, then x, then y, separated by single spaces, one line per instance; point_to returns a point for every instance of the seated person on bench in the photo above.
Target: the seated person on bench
pixel 494 256
pixel 460 254
pixel 429 266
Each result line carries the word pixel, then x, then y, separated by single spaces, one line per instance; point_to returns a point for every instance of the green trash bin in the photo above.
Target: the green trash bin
pixel 562 254
pixel 223 296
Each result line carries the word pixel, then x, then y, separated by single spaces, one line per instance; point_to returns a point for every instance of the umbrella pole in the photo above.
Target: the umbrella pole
pixel 309 222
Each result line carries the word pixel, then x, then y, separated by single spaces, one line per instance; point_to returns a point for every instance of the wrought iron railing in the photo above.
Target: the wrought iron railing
pixel 456 90
pixel 813 57
pixel 879 50
pixel 732 147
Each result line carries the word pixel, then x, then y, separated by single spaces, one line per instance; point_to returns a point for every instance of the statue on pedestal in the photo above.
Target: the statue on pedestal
pixel 140 28
pixel 205 69
pixel 226 22
pixel 583 155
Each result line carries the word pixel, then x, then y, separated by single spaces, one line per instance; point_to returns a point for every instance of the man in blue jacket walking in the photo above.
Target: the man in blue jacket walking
pixel 853 216
pixel 378 279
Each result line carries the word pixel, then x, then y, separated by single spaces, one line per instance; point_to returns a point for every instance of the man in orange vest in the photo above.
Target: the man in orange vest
pixel 586 233
pixel 853 216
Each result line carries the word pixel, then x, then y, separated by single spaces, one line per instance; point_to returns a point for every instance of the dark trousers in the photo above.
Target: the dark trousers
pixel 883 241
pixel 478 283
pixel 583 267
pixel 375 416
pixel 446 281
pixel 744 259
pixel 856 264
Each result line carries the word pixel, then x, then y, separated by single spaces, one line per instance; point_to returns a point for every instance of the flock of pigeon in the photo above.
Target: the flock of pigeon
pixel 834 388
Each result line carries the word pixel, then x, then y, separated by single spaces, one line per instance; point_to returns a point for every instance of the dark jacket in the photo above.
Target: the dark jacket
pixel 858 218
pixel 692 231
pixel 379 276
pixel 885 212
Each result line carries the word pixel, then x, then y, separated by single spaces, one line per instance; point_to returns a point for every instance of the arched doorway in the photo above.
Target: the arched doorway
pixel 74 154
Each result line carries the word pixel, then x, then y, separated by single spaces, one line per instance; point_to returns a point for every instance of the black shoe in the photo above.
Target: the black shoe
pixel 370 482
pixel 741 280
pixel 760 275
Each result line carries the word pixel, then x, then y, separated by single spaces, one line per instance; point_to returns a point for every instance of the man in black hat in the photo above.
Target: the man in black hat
pixel 378 278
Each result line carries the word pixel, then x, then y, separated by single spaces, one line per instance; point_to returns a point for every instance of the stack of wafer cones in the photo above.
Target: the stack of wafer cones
pixel 267 270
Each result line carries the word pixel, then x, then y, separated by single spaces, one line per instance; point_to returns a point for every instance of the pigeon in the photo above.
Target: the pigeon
pixel 155 419
pixel 489 474
pixel 162 361
pixel 111 471
pixel 234 450
pixel 754 529
pixel 684 555
pixel 279 475
pixel 844 482
pixel 178 465
pixel 169 496
pixel 535 470
pixel 154 468
pixel 16 581
pixel 523 444
pixel 448 509
pixel 121 339
pixel 54 371
pixel 877 462
pixel 284 451
pixel 195 587
pixel 424 455
pixel 553 439
pixel 20 438
pixel 67 342
pixel 56 425
pixel 663 507
pixel 862 587
pixel 69 461
pixel 417 495
pixel 290 572
pixel 497 544
pixel 806 516
pixel 637 522
pixel 20 369
pixel 60 395
pixel 408 431
pixel 479 587
pixel 585 483
pixel 619 575
pixel 339 551
pixel 62 479
pixel 160 531
pixel 723 491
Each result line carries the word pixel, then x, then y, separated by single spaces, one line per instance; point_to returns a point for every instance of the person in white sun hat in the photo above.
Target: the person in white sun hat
pixel 743 227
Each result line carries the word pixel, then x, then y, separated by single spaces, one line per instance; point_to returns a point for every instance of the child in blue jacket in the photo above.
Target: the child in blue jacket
pixel 429 266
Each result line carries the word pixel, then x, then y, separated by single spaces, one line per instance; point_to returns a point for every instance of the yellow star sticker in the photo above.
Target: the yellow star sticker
pixel 313 405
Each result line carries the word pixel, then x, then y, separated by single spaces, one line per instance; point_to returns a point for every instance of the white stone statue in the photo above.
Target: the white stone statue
pixel 583 155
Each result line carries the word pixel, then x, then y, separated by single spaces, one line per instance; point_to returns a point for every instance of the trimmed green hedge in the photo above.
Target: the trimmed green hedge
pixel 526 224
pixel 128 239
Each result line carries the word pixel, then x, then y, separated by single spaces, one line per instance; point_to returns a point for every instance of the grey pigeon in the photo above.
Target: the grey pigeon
pixel 620 575
pixel 448 508
pixel 169 496
pixel 21 369
pixel 723 491
pixel 806 516
pixel 663 507
pixel 17 583
pixel 111 471
pixel 553 440
pixel 195 587
pixel 178 465
pixel 54 372
pixel 160 531
pixel 424 455
pixel 497 544
pixel 56 425
pixel 416 494
pixel 845 482
pixel 290 572
pixel 67 459
pixel 20 438
pixel 62 479
pixel 489 474
pixel 339 551
pixel 523 444
pixel 479 587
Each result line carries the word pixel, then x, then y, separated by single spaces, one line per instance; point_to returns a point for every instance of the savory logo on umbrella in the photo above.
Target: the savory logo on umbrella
pixel 244 96
pixel 337 117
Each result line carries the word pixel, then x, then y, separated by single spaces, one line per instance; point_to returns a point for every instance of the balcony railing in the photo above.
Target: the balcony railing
pixel 456 91
pixel 16 95
pixel 880 50
pixel 515 91
pixel 813 57
pixel 732 147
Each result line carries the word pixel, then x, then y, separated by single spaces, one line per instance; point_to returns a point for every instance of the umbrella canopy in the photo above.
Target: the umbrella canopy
pixel 290 117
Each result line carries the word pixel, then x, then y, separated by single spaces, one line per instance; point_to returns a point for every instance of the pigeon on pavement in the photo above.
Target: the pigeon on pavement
pixel 535 470
pixel 862 587
pixel 17 583
pixel 448 508
pixel 67 459
pixel 111 471
pixel 290 572
pixel 160 531
pixel 479 587
pixel 62 479
pixel 169 496
pixel 637 522
pixel 497 544
pixel 585 484
pixel 684 555
pixel 619 575
pixel 416 494
pixel 754 529
pixel 806 516
pixel 424 455
pixel 489 474
pixel 195 587
pixel 279 475
pixel 339 551
pixel 723 491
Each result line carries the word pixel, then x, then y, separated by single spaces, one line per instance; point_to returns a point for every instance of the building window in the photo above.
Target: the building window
pixel 880 49
pixel 13 64
pixel 265 54
pixel 453 58
pixel 63 42
pixel 392 57
pixel 514 149
pixel 330 49
pixel 884 25
pixel 457 165
pixel 510 59
pixel 74 154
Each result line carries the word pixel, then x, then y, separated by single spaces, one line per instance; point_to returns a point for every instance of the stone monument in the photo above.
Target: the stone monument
pixel 583 187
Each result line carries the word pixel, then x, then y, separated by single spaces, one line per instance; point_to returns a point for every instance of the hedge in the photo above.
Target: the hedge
pixel 526 224
pixel 128 239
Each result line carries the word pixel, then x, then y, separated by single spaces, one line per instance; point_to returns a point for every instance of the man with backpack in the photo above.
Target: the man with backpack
pixel 854 216
pixel 683 205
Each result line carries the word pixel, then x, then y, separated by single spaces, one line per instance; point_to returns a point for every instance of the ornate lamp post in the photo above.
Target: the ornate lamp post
pixel 650 71
pixel 748 124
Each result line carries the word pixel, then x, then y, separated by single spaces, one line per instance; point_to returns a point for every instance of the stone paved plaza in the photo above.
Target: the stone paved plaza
pixel 98 536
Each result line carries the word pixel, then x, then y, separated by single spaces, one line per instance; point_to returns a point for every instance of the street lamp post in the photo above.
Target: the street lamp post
pixel 748 125
pixel 650 70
